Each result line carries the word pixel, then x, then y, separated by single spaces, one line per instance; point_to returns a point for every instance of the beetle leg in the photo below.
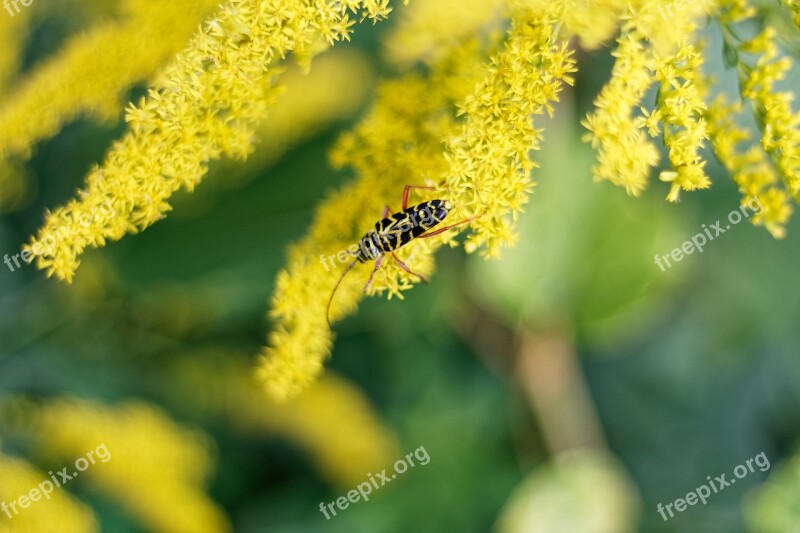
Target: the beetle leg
pixel 405 267
pixel 442 230
pixel 378 263
pixel 408 188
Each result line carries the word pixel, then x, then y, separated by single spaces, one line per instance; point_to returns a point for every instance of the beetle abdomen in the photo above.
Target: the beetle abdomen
pixel 401 228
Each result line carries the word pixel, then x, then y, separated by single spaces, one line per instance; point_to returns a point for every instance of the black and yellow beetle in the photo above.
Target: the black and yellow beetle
pixel 395 231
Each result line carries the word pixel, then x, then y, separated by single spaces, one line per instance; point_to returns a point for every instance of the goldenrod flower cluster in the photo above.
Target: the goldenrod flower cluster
pixel 463 126
pixel 401 137
pixel 17 478
pixel 780 125
pixel 207 104
pixel 152 459
pixel 483 168
pixel 751 169
pixel 80 81
pixel 625 153
pixel 302 338
pixel 321 421
pixel 428 31
pixel 490 165
pixel 652 50
pixel 771 171
pixel 680 108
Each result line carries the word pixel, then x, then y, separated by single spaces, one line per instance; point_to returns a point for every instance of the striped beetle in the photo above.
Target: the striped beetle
pixel 395 231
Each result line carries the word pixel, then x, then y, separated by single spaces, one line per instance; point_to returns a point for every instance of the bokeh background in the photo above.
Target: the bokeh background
pixel 571 386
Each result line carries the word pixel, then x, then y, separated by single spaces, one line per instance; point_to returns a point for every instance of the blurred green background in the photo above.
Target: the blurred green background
pixel 677 376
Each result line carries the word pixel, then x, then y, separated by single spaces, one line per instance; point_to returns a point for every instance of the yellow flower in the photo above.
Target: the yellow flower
pixel 146 459
pixel 625 154
pixel 655 46
pixel 93 71
pixel 780 124
pixel 681 108
pixel 321 421
pixel 594 22
pixel 751 170
pixel 59 507
pixel 484 171
pixel 333 90
pixel 490 165
pixel 429 29
pixel 759 170
pixel 207 104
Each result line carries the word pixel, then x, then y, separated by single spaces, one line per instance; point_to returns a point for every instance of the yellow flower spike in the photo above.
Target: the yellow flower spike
pixel 751 171
pixel 594 22
pixel 681 108
pixel 625 154
pixel 321 421
pixel 779 122
pixel 151 460
pixel 484 171
pixel 490 165
pixel 80 81
pixel 18 478
pixel 208 104
pixel 651 50
pixel 429 29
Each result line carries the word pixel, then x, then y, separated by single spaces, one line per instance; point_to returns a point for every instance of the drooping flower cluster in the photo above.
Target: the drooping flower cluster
pixel 680 108
pixel 625 153
pixel 769 171
pixel 750 169
pixel 490 164
pixel 403 132
pixel 651 51
pixel 780 125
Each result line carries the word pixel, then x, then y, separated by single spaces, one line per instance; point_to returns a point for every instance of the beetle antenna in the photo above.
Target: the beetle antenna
pixel 328 312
